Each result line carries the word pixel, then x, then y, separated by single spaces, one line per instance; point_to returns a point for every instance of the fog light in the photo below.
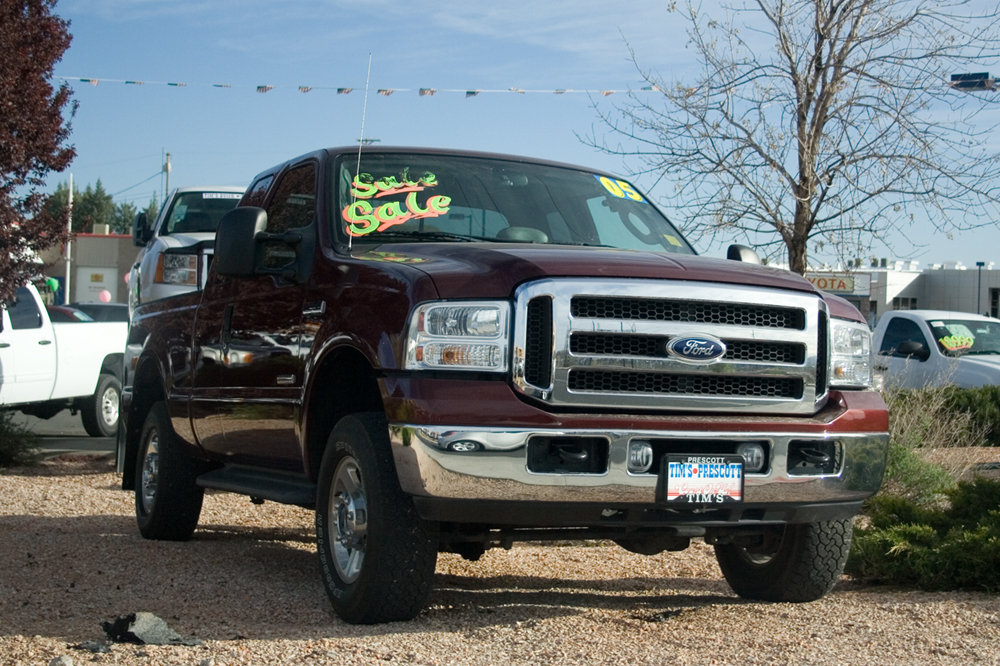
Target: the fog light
pixel 640 456
pixel 753 456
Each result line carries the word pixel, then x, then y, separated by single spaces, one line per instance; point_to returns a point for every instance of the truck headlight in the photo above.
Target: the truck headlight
pixel 850 354
pixel 181 269
pixel 460 335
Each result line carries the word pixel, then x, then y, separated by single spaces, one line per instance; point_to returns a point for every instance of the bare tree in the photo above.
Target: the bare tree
pixel 821 124
pixel 32 134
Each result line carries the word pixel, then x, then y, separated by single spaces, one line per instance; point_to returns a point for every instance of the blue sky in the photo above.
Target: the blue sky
pixel 223 136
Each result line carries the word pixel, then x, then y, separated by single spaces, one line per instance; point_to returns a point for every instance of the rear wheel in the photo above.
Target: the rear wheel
pixel 167 499
pixel 376 554
pixel 794 562
pixel 100 411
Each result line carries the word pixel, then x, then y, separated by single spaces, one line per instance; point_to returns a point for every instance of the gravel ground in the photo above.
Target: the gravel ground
pixel 247 587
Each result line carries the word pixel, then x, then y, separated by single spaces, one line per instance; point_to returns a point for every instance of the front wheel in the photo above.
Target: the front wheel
pixel 376 554
pixel 167 498
pixel 794 562
pixel 100 411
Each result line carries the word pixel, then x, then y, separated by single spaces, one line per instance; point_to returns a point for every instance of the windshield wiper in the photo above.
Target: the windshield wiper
pixel 417 236
pixel 581 244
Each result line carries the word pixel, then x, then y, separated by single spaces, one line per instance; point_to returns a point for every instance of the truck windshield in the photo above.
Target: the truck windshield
pixel 413 197
pixel 956 337
pixel 194 212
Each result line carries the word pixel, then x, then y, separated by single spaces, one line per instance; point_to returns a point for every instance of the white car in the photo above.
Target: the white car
pixel 917 348
pixel 178 245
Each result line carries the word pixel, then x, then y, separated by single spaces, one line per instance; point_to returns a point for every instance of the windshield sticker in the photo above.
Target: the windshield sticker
pixel 366 187
pixel 391 257
pixel 957 342
pixel 221 195
pixel 619 189
pixel 672 240
pixel 363 217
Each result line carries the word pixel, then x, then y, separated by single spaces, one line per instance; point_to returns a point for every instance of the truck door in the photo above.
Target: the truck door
pixel 7 358
pixel 250 366
pixel 901 370
pixel 27 351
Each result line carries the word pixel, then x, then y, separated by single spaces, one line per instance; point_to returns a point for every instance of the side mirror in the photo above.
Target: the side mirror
pixel 742 253
pixel 141 233
pixel 235 241
pixel 913 349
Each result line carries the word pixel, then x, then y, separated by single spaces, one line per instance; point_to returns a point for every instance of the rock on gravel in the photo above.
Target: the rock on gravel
pixel 247 587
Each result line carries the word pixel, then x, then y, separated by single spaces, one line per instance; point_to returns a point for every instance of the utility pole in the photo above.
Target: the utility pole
pixel 166 170
pixel 69 242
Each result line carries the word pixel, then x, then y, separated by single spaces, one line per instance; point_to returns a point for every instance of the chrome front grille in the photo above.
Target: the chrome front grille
pixel 656 346
pixel 738 314
pixel 590 344
pixel 602 381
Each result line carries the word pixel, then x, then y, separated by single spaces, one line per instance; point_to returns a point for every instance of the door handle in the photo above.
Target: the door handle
pixel 4 345
pixel 45 342
pixel 314 309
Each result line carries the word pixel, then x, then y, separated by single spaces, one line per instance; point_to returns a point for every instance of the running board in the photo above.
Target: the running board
pixel 284 488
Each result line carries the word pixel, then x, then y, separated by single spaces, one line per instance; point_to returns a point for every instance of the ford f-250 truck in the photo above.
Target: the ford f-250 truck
pixel 46 367
pixel 446 352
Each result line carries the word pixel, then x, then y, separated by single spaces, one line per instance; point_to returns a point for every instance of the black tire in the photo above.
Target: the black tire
pixel 377 556
pixel 100 411
pixel 798 563
pixel 167 499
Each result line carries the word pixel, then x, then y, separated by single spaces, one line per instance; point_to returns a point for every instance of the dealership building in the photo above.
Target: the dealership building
pixel 901 285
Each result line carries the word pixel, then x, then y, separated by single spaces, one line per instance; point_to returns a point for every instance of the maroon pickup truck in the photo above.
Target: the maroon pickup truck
pixel 441 351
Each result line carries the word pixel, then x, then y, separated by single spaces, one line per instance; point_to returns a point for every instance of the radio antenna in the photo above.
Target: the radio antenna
pixel 361 140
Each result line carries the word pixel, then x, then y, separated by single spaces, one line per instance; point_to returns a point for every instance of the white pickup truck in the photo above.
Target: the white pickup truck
pixel 46 367
pixel 917 348
pixel 178 244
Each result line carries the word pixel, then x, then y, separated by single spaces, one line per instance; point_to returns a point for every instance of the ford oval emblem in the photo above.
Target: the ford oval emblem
pixel 696 349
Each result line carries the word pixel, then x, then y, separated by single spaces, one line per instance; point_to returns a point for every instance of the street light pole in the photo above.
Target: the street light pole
pixel 979 287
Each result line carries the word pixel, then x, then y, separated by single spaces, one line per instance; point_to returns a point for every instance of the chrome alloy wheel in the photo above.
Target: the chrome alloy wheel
pixel 109 406
pixel 150 471
pixel 349 507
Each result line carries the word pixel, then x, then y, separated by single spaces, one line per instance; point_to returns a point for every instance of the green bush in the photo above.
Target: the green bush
pixel 924 528
pixel 887 511
pixel 970 500
pixel 919 421
pixel 909 476
pixel 18 445
pixel 933 549
pixel 983 407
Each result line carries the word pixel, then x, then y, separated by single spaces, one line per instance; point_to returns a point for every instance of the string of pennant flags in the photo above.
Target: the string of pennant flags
pixel 384 92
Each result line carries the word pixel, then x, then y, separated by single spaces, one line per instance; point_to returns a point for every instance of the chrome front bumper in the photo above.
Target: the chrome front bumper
pixel 497 469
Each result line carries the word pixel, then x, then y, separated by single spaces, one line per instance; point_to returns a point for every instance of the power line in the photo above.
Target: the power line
pixel 155 175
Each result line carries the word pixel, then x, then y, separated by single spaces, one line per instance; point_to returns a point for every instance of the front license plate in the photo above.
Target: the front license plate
pixel 702 479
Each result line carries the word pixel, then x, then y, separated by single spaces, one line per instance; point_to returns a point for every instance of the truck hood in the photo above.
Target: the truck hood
pixel 181 240
pixel 493 270
pixel 983 369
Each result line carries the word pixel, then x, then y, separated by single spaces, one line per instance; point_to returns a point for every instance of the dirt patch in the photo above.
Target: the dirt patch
pixel 247 589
